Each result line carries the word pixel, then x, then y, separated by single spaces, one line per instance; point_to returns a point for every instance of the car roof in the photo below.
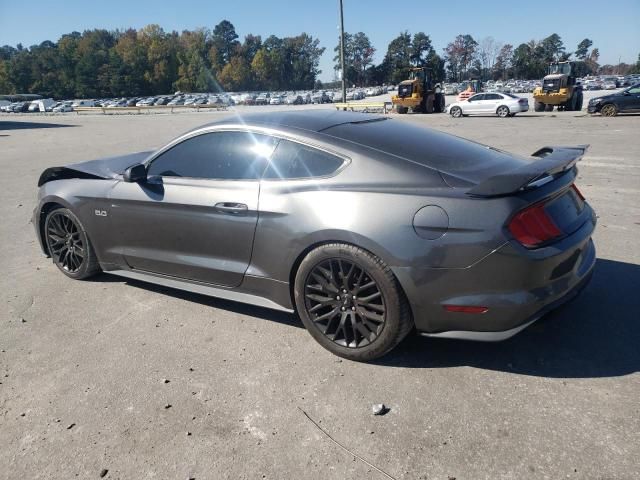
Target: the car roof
pixel 310 120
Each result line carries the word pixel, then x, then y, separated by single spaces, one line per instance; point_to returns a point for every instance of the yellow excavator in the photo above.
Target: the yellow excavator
pixel 419 93
pixel 559 89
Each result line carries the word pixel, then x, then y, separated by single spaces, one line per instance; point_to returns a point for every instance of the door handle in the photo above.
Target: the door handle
pixel 231 208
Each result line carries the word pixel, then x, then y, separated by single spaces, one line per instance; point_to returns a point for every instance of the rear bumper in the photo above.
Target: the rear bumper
pixel 517 286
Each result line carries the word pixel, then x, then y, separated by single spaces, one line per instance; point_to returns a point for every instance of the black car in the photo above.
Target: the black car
pixel 625 101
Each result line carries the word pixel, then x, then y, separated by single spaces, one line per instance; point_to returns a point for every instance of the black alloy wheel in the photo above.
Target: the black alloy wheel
pixel 345 303
pixel 350 302
pixel 69 245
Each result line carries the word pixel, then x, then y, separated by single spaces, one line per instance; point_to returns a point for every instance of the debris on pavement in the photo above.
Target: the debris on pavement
pixel 380 409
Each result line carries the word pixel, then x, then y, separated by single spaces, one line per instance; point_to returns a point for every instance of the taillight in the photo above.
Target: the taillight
pixel 533 226
pixel 578 192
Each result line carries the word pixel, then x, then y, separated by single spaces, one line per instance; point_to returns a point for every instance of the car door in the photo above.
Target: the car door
pixel 474 104
pixel 195 215
pixel 491 102
pixel 629 100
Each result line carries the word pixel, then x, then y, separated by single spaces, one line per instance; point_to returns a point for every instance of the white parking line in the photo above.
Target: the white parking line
pixel 616 165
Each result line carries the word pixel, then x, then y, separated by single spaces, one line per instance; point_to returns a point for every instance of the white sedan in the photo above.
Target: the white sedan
pixel 501 104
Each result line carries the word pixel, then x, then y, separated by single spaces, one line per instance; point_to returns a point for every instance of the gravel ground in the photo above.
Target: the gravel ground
pixel 121 379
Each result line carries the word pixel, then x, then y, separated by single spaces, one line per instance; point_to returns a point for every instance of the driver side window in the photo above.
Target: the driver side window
pixel 218 155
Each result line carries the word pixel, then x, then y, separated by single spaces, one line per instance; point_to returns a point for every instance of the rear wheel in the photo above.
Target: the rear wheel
pixel 503 111
pixel 538 106
pixel 350 302
pixel 69 245
pixel 455 112
pixel 609 110
pixel 548 108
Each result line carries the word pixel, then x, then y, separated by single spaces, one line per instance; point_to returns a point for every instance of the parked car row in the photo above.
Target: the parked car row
pixel 41 105
pixel 204 99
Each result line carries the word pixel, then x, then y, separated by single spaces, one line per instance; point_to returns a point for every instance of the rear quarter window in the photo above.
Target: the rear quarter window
pixel 293 160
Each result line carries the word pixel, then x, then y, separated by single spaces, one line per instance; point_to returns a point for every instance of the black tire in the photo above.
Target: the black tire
pixel 571 104
pixel 439 104
pixel 548 108
pixel 385 316
pixel 538 106
pixel 401 110
pixel 429 106
pixel 579 101
pixel 455 112
pixel 503 111
pixel 69 245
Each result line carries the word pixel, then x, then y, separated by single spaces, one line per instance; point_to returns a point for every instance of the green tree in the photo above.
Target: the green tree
pixel 583 49
pixel 551 49
pixel 5 84
pixel 162 58
pixel 224 44
pixel 459 55
pixel 421 47
pixel 302 60
pixel 358 57
pixel 503 62
pixel 397 60
pixel 235 74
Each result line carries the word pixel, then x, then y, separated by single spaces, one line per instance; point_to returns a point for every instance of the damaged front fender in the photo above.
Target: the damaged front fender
pixel 102 169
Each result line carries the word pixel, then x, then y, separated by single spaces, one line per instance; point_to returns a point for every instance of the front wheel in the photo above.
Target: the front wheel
pixel 455 112
pixel 548 108
pixel 609 110
pixel 401 110
pixel 350 302
pixel 69 245
pixel 503 111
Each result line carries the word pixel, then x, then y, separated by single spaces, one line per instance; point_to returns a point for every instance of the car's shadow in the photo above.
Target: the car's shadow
pixel 12 125
pixel 596 335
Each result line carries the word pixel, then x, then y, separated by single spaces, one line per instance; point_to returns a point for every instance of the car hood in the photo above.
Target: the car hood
pixel 105 168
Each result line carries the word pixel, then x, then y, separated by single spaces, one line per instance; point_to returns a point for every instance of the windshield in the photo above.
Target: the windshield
pixel 562 68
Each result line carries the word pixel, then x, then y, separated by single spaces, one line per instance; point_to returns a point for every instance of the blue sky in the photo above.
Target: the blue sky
pixel 614 27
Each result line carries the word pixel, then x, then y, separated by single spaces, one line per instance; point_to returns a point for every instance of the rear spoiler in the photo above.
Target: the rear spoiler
pixel 553 161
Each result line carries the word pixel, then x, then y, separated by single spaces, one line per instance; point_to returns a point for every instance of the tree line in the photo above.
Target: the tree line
pixel 150 61
pixel 465 58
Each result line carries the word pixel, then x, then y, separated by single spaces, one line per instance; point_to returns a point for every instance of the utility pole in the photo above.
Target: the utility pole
pixel 344 81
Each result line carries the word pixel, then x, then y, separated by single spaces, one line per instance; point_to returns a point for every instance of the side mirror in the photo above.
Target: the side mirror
pixel 135 174
pixel 626 93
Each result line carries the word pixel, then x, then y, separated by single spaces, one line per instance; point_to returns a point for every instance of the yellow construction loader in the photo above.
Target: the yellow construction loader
pixel 419 93
pixel 559 89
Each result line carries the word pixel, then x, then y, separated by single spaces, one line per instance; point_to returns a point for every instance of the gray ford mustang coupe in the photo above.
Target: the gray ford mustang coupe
pixel 367 227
